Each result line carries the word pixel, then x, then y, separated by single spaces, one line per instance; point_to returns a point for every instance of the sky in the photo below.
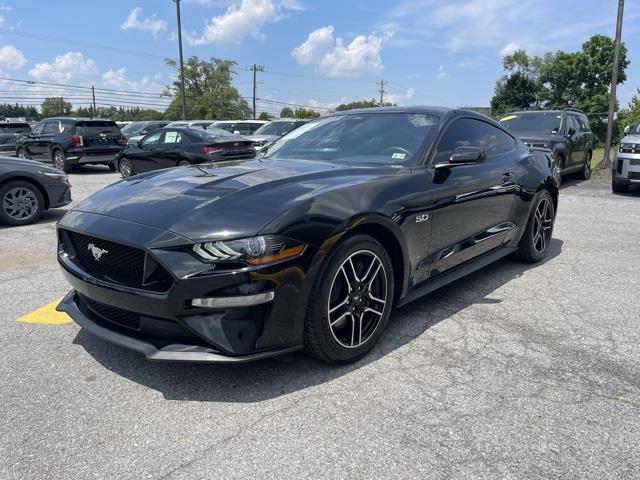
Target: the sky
pixel 316 53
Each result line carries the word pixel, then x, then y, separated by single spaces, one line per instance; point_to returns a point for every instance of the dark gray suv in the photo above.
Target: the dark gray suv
pixel 566 133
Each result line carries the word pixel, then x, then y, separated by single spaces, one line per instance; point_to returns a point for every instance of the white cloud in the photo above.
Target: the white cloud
pixel 4 7
pixel 11 58
pixel 442 73
pixel 150 24
pixel 65 68
pixel 242 19
pixel 509 49
pixel 118 79
pixel 333 58
pixel 399 98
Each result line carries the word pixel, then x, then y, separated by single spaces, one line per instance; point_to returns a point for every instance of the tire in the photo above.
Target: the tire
pixel 585 173
pixel 348 310
pixel 125 167
pixel 21 203
pixel 560 162
pixel 59 160
pixel 184 163
pixel 539 230
pixel 619 187
pixel 112 166
pixel 22 153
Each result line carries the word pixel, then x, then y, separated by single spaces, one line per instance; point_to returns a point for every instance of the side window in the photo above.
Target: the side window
pixel 152 127
pixel 51 127
pixel 38 129
pixel 468 132
pixel 152 139
pixel 584 123
pixel 571 124
pixel 171 137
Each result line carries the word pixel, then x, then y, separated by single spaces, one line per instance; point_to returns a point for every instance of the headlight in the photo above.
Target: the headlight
pixel 254 251
pixel 54 174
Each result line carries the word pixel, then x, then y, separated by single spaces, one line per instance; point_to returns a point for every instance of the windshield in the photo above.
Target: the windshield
pixel 224 125
pixel 132 127
pixel 276 128
pixel 635 130
pixel 538 122
pixel 367 138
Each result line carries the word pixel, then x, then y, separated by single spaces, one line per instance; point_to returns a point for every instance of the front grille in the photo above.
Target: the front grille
pixel 634 162
pixel 634 175
pixel 111 314
pixel 117 263
pixel 630 148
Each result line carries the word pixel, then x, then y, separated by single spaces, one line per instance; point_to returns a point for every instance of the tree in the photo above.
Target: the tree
pixel 208 91
pixel 265 116
pixel 55 107
pixel 302 112
pixel 361 104
pixel 286 112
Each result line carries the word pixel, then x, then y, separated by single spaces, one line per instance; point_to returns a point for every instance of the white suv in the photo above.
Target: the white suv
pixel 626 166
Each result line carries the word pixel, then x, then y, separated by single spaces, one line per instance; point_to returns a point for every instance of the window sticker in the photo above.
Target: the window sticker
pixel 399 156
pixel 171 137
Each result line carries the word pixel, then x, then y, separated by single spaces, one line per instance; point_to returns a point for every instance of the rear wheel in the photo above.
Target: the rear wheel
pixel 22 203
pixel 125 167
pixel 537 235
pixel 585 173
pixel 619 187
pixel 560 163
pixel 349 304
pixel 59 160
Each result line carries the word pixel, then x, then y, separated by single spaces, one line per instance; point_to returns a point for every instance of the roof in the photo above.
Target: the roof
pixel 425 110
pixel 542 110
pixel 79 119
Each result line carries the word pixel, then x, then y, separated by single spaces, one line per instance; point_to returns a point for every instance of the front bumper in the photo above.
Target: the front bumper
pixel 174 352
pixel 626 168
pixel 166 326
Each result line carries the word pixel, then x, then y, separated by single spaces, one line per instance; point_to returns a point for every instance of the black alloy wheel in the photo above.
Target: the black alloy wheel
pixel 22 203
pixel 350 304
pixel 537 236
pixel 585 173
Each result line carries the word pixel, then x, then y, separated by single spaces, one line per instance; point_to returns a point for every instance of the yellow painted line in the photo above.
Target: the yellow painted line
pixel 508 117
pixel 46 315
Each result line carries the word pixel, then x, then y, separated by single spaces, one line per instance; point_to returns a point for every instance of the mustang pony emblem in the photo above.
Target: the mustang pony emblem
pixel 97 252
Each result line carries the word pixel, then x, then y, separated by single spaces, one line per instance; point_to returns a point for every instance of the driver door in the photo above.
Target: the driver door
pixel 143 158
pixel 472 202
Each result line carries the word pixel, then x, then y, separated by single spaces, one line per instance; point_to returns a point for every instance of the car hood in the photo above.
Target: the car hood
pixel 223 199
pixel 23 163
pixel 631 139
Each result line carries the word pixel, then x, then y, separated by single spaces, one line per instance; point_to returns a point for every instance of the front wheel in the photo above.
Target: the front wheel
pixel 22 203
pixel 537 234
pixel 350 302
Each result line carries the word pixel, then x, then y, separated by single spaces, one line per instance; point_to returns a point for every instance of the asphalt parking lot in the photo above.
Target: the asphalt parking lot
pixel 518 371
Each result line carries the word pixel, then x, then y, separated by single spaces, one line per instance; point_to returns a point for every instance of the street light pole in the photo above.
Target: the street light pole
pixel 184 100
pixel 614 83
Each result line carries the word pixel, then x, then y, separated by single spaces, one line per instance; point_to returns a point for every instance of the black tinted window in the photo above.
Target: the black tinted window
pixel 51 127
pixel 583 123
pixel 15 128
pixel 468 132
pixel 571 124
pixel 90 127
pixel 37 130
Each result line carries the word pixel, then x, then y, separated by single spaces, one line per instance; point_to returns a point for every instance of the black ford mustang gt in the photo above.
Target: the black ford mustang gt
pixel 309 246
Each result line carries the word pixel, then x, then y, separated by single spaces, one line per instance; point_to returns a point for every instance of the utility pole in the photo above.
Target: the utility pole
pixel 382 92
pixel 184 100
pixel 614 83
pixel 93 95
pixel 61 106
pixel 255 68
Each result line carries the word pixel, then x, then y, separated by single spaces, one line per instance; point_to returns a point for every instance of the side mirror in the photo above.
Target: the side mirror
pixel 627 129
pixel 467 155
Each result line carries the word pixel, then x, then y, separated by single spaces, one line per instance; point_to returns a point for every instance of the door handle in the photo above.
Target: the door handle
pixel 507 177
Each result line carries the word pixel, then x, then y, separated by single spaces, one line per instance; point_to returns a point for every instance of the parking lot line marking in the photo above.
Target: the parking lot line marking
pixel 46 315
